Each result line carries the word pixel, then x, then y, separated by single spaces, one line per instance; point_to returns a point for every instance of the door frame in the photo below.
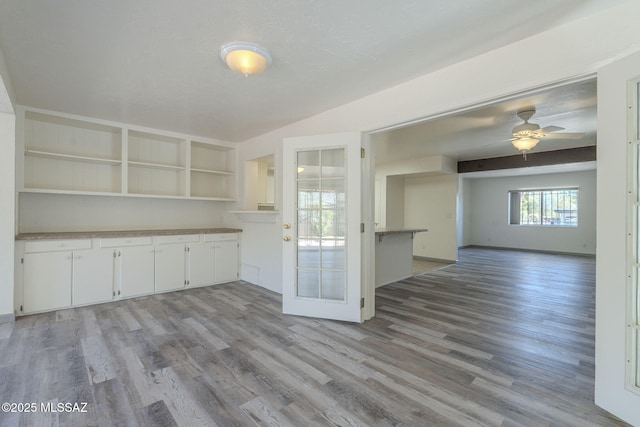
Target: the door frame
pixel 364 202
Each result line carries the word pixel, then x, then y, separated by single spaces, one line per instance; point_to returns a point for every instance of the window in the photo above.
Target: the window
pixel 558 207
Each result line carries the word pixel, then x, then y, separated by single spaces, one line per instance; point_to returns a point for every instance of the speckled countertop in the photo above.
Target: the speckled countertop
pixel 123 233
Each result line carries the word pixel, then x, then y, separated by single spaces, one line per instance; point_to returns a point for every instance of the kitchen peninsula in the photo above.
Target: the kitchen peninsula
pixel 394 253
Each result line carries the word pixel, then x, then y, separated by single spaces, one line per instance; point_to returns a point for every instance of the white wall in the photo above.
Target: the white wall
pixel 488 214
pixel 389 185
pixel 611 276
pixel 7 192
pixel 7 213
pixel 60 212
pixel 261 255
pixel 463 221
pixel 393 202
pixel 430 203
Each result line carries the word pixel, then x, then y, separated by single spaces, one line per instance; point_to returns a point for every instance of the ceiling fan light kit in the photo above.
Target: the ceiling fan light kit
pixel 248 59
pixel 527 135
pixel 525 144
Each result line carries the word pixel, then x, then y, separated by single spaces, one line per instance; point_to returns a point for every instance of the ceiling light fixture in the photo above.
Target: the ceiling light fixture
pixel 525 144
pixel 245 58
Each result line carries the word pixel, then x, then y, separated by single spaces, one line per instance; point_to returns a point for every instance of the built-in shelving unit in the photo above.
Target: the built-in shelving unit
pixel 156 164
pixel 61 153
pixel 210 172
pixel 66 154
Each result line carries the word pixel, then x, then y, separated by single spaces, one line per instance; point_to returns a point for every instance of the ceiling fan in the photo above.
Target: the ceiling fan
pixel 527 135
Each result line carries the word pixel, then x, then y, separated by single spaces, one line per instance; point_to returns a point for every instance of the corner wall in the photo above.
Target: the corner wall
pixel 430 203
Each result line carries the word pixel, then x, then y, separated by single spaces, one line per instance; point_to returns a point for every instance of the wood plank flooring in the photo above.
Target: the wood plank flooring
pixel 500 339
pixel 421 265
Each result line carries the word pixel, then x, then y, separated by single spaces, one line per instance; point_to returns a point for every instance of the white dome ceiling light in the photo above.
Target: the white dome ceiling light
pixel 246 58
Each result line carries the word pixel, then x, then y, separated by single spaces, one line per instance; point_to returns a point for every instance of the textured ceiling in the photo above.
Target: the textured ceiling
pixel 155 62
pixel 484 132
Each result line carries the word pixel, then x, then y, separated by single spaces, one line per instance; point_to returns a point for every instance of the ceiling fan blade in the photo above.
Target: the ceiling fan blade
pixel 566 135
pixel 549 129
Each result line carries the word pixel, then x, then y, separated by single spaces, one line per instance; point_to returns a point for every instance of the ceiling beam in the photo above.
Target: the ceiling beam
pixel 545 158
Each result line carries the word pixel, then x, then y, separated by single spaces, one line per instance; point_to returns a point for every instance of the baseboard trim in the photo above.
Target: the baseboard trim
pixel 9 317
pixel 540 251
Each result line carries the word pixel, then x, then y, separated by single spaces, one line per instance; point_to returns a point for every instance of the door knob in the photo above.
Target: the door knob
pixel 287 225
pixel 286 238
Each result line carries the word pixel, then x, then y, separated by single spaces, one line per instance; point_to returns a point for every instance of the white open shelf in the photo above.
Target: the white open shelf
pixel 71 157
pixel 69 154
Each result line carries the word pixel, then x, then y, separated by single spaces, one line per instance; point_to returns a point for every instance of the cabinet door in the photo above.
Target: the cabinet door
pixel 92 276
pixel 226 261
pixel 201 264
pixel 170 267
pixel 136 270
pixel 47 281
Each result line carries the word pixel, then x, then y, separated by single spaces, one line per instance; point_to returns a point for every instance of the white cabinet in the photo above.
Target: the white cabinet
pixel 225 256
pixel 171 261
pixel 58 274
pixel 170 267
pixel 92 280
pixel 68 154
pixel 133 264
pixel 201 264
pixel 226 261
pixel 47 281
pixel 135 267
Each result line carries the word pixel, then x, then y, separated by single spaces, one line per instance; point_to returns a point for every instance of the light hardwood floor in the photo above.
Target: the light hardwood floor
pixel 501 339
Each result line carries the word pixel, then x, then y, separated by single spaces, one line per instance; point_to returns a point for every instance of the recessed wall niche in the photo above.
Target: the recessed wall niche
pixel 259 191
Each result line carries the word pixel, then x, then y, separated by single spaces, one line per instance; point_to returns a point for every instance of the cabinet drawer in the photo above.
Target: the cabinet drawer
pixel 120 242
pixel 56 245
pixel 183 238
pixel 220 236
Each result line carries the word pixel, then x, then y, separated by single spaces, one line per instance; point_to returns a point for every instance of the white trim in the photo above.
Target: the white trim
pixel 632 371
pixel 6 318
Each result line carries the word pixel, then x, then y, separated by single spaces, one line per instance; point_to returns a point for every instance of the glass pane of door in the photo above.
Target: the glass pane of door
pixel 321 238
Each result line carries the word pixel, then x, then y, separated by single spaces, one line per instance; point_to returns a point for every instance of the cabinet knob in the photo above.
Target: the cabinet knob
pixel 286 238
pixel 287 225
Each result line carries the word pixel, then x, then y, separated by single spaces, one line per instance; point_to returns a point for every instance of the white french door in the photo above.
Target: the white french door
pixel 321 226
